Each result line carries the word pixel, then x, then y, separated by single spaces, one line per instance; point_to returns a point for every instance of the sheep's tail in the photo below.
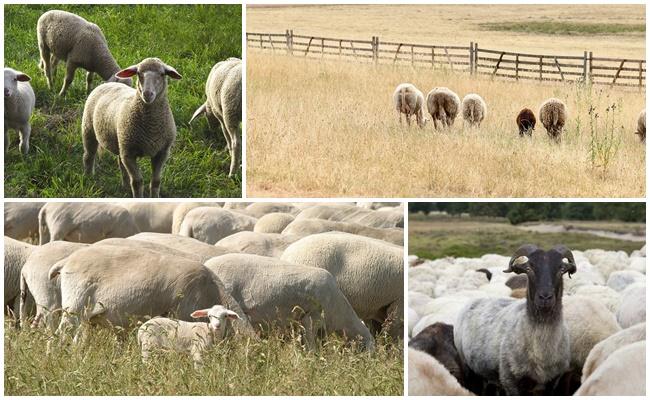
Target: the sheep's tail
pixel 22 308
pixel 198 112
pixel 556 116
pixel 405 106
pixel 43 231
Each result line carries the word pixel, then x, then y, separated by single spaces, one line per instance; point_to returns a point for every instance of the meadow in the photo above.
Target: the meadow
pixel 191 38
pixel 109 364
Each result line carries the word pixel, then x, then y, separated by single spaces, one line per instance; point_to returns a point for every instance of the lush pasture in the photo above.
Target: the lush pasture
pixel 190 38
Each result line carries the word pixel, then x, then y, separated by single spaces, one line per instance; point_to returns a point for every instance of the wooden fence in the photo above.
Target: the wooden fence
pixel 472 58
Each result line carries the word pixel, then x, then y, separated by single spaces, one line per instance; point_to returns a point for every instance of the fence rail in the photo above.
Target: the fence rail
pixel 472 58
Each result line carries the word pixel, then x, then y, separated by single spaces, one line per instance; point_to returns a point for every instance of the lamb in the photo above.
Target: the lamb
pixel 409 100
pixel 521 344
pixel 631 310
pixel 273 223
pixel 16 254
pixel 181 243
pixel 306 227
pixel 437 340
pixel 20 101
pixel 21 220
pixel 474 109
pixel 263 244
pixel 132 123
pixel 553 115
pixel 152 217
pixel 443 105
pixel 273 293
pixel 84 222
pixel 640 126
pixel 187 337
pixel 526 122
pixel 224 91
pixel 427 377
pixel 81 44
pixel 211 224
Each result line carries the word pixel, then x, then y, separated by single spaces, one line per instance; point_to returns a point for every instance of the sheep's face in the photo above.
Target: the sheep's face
pixel 217 316
pixel 12 77
pixel 152 81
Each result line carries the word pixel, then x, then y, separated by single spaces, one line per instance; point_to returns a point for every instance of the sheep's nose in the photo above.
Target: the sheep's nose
pixel 7 92
pixel 545 296
pixel 149 96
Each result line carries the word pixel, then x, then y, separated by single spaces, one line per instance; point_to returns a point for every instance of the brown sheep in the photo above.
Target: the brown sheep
pixel 437 340
pixel 526 122
pixel 640 126
pixel 443 105
pixel 553 116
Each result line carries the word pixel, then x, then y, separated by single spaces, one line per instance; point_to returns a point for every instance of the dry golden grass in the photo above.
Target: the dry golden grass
pixel 459 24
pixel 319 129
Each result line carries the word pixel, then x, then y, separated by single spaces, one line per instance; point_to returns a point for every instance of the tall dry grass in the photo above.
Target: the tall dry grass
pixel 318 129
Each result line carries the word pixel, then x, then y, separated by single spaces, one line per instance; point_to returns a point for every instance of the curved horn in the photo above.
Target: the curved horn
pixel 567 258
pixel 521 256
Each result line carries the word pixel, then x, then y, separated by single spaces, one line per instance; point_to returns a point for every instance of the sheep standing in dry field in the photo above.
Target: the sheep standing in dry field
pixel 553 116
pixel 410 101
pixel 640 126
pixel 474 109
pixel 443 105
pixel 526 122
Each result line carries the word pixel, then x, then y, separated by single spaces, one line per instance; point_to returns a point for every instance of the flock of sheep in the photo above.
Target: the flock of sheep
pixel 240 267
pixel 130 123
pixel 444 106
pixel 555 322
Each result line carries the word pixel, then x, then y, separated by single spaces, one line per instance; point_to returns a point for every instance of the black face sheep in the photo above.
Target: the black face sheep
pixel 437 340
pixel 132 123
pixel 408 100
pixel 521 344
pixel 19 106
pixel 526 122
pixel 640 126
pixel 474 109
pixel 81 44
pixel 553 115
pixel 443 105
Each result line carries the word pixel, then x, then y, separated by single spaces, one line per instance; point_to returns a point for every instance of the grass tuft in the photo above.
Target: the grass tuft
pixel 564 28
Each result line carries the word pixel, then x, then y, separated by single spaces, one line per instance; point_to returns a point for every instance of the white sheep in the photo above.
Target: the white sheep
pixel 20 101
pixel 262 244
pixel 274 222
pixel 619 280
pixel 211 224
pixel 132 123
pixel 152 217
pixel 81 44
pixel 631 310
pixel 604 294
pixel 16 254
pixel 443 105
pixel 307 227
pixel 409 100
pixel 427 377
pixel 193 338
pixel 473 109
pixel 21 219
pixel 181 243
pixel 553 115
pixel 183 208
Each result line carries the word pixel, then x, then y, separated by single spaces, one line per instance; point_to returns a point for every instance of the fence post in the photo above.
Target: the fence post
pixel 376 49
pixel 540 67
pixel 433 57
pixel 517 67
pixel 640 74
pixel 471 58
pixel 591 66
pixel 476 58
pixel 585 66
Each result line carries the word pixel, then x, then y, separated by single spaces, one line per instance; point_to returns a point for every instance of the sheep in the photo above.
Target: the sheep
pixel 152 217
pixel 273 293
pixel 474 109
pixel 211 224
pixel 81 44
pixel 258 210
pixel 183 208
pixel 640 126
pixel 273 222
pixel 348 213
pixel 20 101
pixel 16 254
pixel 132 123
pixel 443 105
pixel 604 294
pixel 437 340
pixel 306 227
pixel 370 273
pixel 521 344
pixel 181 243
pixel 21 220
pixel 621 374
pixel 619 280
pixel 605 348
pixel 187 337
pixel 84 222
pixel 409 100
pixel 263 244
pixel 526 122
pixel 427 377
pixel 631 310
pixel 224 92
pixel 553 115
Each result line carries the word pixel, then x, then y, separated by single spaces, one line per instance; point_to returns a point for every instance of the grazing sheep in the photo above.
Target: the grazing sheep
pixel 132 123
pixel 84 222
pixel 306 227
pixel 186 337
pixel 274 222
pixel 258 210
pixel 437 340
pixel 20 101
pixel 408 100
pixel 152 217
pixel 16 254
pixel 443 105
pixel 631 310
pixel 606 295
pixel 553 115
pixel 474 109
pixel 621 374
pixel 211 224
pixel 183 208
pixel 181 243
pixel 81 44
pixel 224 91
pixel 521 344
pixel 427 377
pixel 640 126
pixel 21 220
pixel 351 213
pixel 273 293
pixel 262 244
pixel 526 122
pixel 619 280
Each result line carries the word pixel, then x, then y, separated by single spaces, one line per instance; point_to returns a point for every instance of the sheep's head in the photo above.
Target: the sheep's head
pixel 217 316
pixel 545 270
pixel 12 77
pixel 151 74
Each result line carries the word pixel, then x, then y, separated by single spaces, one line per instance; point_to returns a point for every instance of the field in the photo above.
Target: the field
pixel 109 365
pixel 432 237
pixel 190 38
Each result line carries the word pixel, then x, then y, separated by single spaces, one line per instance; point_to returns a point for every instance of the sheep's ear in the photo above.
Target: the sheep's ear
pixel 232 315
pixel 200 313
pixel 127 72
pixel 23 78
pixel 172 73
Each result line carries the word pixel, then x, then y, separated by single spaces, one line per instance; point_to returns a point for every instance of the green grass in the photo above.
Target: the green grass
pixel 431 238
pixel 564 28
pixel 106 365
pixel 191 38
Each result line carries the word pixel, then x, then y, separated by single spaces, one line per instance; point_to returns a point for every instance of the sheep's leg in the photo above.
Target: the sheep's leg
pixel 70 69
pixel 197 357
pixel 90 147
pixel 224 131
pixel 157 164
pixel 54 63
pixel 310 335
pixel 89 81
pixel 232 127
pixel 46 63
pixel 135 176
pixel 408 119
pixel 25 132
pixel 125 175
